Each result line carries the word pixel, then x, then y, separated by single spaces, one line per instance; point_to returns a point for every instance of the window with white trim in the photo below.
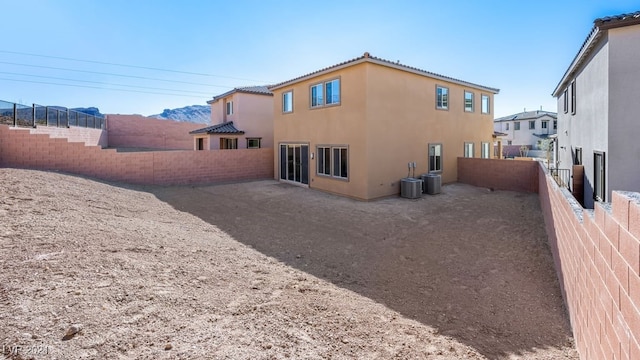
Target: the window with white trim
pixel 287 101
pixel 516 125
pixel 229 107
pixel 507 126
pixel 254 143
pixel 486 107
pixel 468 150
pixel 442 97
pixel 545 124
pixel 532 124
pixel 333 161
pixel 468 101
pixel 327 93
pixel 484 150
pixel 565 97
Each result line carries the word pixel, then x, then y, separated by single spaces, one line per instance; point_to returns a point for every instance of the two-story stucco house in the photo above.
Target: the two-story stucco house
pixel 527 128
pixel 598 113
pixel 352 128
pixel 242 118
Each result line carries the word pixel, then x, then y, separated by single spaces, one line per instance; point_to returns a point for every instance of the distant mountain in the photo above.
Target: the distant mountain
pixel 90 110
pixel 199 114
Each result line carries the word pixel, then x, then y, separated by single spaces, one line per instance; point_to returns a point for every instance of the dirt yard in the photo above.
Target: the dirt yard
pixel 263 270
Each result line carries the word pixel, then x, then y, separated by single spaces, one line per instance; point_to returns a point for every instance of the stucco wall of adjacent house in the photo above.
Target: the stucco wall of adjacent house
pixel 402 120
pixel 342 124
pixel 588 127
pixel 252 114
pixel 624 117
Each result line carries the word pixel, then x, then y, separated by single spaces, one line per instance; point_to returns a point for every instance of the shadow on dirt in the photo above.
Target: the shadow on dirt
pixel 471 263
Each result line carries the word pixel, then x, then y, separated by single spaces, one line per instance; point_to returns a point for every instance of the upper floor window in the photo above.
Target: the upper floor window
pixel 555 124
pixel 516 125
pixel 228 143
pixel 327 93
pixel 545 124
pixel 254 143
pixel 532 124
pixel 287 101
pixel 565 97
pixel 573 97
pixel 486 109
pixel 468 101
pixel 507 126
pixel 229 108
pixel 442 98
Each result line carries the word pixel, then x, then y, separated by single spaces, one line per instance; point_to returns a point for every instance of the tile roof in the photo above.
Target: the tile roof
pixel 599 26
pixel 224 128
pixel 366 57
pixel 527 115
pixel 257 90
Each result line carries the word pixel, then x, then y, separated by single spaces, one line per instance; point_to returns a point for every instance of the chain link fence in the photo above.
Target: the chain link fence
pixel 13 114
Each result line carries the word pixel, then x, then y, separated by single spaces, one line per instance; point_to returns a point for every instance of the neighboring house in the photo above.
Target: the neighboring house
pixel 598 97
pixel 352 128
pixel 242 118
pixel 527 128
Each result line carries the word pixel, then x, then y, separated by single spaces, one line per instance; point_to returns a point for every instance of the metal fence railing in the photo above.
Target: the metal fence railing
pixel 562 177
pixel 31 116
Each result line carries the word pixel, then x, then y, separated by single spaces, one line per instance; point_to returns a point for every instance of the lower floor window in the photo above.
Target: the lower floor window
pixel 435 157
pixel 200 144
pixel 485 150
pixel 333 161
pixel 253 143
pixel 228 143
pixel 468 150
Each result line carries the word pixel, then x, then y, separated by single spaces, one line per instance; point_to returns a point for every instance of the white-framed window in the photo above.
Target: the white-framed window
pixel 516 125
pixel 565 98
pixel 333 161
pixel 442 97
pixel 573 97
pixel 545 124
pixel 327 93
pixel 486 107
pixel 228 143
pixel 332 92
pixel 435 157
pixel 468 150
pixel 555 124
pixel 317 95
pixel 484 150
pixel 254 143
pixel 468 101
pixel 532 124
pixel 229 108
pixel 507 126
pixel 287 101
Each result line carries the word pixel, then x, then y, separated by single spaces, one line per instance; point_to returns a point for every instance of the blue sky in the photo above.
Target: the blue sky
pixel 520 47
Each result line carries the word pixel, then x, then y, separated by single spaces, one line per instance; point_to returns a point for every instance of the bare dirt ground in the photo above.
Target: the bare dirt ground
pixel 263 270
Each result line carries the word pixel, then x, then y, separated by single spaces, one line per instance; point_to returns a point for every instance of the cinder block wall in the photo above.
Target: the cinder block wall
pixel 514 175
pixel 136 131
pixel 88 136
pixel 22 149
pixel 596 254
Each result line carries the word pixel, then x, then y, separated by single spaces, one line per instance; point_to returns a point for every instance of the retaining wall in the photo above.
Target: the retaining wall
pixel 596 254
pixel 137 131
pixel 22 149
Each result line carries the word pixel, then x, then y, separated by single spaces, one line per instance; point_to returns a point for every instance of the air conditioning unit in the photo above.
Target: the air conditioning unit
pixel 410 188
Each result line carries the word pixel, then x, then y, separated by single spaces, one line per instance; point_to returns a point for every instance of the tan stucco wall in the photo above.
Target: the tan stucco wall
pixel 252 114
pixel 387 117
